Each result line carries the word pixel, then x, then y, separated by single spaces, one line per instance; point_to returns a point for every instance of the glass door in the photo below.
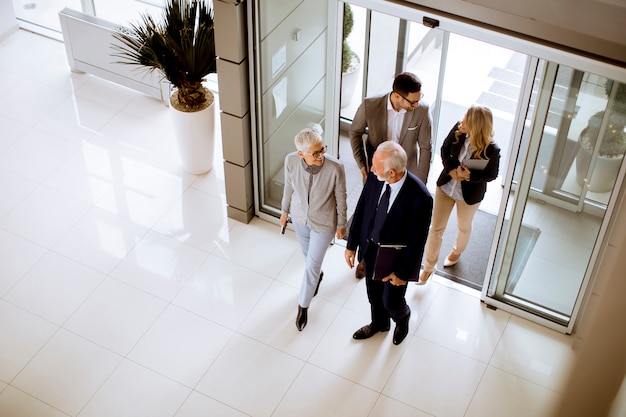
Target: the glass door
pixel 573 125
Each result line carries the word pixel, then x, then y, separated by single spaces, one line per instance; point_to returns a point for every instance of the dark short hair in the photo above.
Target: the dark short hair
pixel 407 82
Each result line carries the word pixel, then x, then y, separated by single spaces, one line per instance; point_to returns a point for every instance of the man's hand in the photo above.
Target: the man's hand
pixel 394 280
pixel 349 255
pixel 364 172
pixel 340 233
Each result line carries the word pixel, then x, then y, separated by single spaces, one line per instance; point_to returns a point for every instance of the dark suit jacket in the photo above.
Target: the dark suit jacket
pixel 406 223
pixel 371 118
pixel 474 189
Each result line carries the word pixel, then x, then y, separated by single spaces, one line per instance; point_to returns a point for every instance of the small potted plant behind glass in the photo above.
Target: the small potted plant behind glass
pixel 350 62
pixel 612 143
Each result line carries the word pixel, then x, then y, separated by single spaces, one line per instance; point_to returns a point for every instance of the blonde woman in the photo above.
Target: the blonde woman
pixel 462 182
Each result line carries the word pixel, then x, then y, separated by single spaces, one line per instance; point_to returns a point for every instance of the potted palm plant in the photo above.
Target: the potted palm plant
pixel 612 143
pixel 350 62
pixel 181 47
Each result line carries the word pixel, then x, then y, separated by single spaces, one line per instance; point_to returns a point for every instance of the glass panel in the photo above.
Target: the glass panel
pixel 291 86
pixel 124 11
pixel 545 249
pixel 493 80
pixel 354 35
pixel 599 131
pixel 43 13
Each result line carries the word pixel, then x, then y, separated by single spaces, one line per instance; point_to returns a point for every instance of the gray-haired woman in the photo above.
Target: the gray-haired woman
pixel 314 198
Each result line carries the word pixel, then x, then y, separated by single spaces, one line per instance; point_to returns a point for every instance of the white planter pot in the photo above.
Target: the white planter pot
pixel 195 137
pixel 349 80
pixel 604 172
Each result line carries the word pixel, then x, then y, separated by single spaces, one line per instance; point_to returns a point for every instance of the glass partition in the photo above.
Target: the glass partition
pixel 547 244
pixel 42 15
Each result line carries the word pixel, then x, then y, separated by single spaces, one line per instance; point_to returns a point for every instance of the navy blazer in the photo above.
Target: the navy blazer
pixel 407 223
pixel 474 189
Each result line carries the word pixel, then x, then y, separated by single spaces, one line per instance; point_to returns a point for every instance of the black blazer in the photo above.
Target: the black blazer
pixel 474 189
pixel 406 223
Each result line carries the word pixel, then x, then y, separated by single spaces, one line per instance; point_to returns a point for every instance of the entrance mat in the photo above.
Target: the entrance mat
pixel 472 266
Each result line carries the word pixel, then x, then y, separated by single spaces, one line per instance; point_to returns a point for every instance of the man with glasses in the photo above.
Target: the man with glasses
pixel 398 116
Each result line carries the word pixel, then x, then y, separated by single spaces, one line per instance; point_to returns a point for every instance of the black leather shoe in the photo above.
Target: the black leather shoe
pixel 401 331
pixel 302 318
pixel 360 270
pixel 318 283
pixel 367 331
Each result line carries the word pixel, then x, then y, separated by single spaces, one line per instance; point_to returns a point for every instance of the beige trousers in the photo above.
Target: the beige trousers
pixel 441 213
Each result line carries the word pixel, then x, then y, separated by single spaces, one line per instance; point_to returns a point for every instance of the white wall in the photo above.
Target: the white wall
pixel 593 26
pixel 598 373
pixel 8 23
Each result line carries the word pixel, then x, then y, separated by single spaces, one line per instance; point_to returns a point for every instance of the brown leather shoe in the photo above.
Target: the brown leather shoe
pixel 360 270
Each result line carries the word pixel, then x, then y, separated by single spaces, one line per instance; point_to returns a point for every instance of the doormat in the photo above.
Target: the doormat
pixel 471 268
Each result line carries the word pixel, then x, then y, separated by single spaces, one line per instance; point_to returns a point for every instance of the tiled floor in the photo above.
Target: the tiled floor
pixel 126 291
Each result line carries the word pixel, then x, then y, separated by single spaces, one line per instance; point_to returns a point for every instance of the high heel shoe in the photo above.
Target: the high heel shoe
pixel 302 318
pixel 425 280
pixel 451 259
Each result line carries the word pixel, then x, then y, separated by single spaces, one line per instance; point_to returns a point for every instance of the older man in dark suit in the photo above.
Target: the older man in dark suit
pixel 395 208
pixel 399 116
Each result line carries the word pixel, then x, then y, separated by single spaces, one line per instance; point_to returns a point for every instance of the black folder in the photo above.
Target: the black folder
pixel 386 259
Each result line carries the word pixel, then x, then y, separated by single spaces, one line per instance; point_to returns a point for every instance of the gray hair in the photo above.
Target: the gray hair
pixel 396 156
pixel 308 137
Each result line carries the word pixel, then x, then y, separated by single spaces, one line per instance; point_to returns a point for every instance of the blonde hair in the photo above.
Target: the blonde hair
pixel 479 125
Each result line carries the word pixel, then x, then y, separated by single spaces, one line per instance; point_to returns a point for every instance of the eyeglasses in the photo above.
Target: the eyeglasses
pixel 412 103
pixel 319 153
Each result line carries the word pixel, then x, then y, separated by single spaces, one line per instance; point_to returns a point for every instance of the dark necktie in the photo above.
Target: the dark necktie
pixel 381 214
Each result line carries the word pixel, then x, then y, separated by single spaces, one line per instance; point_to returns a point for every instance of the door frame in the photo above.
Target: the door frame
pixel 535 51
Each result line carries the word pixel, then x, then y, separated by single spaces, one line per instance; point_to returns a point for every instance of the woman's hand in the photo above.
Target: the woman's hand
pixel 455 174
pixel 463 172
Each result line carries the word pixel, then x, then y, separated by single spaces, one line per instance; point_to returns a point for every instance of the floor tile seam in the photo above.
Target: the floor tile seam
pixel 303 363
pixel 35 354
pixel 450 350
pixel 45 251
pixel 36 314
pixel 165 212
pixel 36 399
pixel 94 209
pixel 476 388
pixel 525 379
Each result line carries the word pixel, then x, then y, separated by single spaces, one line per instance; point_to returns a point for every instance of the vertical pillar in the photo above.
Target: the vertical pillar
pixel 232 72
pixel 8 22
